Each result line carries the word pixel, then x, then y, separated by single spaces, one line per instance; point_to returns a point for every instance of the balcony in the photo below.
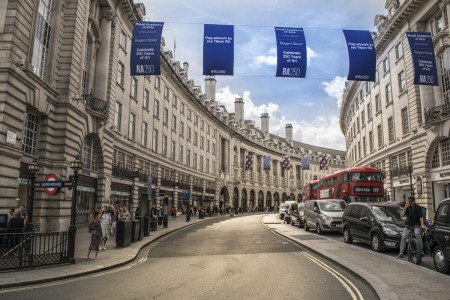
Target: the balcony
pixel 400 171
pixel 119 171
pixel 167 182
pixel 95 106
pixel 436 114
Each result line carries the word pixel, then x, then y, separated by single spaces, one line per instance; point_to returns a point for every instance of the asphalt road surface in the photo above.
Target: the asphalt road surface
pixel 224 258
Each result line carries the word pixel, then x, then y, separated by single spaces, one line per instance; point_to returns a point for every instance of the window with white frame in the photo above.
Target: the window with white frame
pixel 369 111
pixel 41 47
pixel 207 145
pixel 181 154
pixel 401 81
pixel 398 50
pixel 363 118
pixel 377 103
pixel 144 134
pixel 173 151
pixel 386 64
pixel 146 99
pixel 202 142
pixel 380 136
pixel 182 108
pixel 213 148
pixel 31 134
pixel 207 166
pixel 118 115
pixel 189 133
pixel 120 74
pixel 189 114
pixel 156 109
pixel 195 138
pixel 132 127
pixel 181 128
pixel 188 157
pixel 133 91
pixel 444 62
pixel 445 144
pixel 391 129
pixel 387 91
pixel 123 40
pixel 166 92
pixel 164 146
pixel 194 163
pixel 155 140
pixel 364 146
pixel 158 83
pixel 174 123
pixel 166 117
pixel 201 163
pixel 175 101
pixel 405 122
pixel 89 155
pixel 435 160
pixel 85 70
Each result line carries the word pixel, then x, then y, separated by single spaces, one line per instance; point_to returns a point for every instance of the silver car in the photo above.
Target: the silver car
pixel 324 215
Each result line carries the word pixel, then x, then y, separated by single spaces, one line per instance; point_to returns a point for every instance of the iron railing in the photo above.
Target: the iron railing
pixel 96 105
pixel 437 113
pixel 22 250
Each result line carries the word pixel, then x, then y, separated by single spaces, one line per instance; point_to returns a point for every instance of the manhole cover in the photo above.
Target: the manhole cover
pixel 308 237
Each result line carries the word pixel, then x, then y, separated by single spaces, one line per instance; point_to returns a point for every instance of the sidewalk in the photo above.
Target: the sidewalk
pixel 391 278
pixel 107 259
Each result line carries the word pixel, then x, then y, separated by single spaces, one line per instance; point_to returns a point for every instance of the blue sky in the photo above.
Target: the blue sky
pixel 311 104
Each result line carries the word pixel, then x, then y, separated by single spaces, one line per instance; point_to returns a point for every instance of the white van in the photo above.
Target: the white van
pixel 285 207
pixel 324 215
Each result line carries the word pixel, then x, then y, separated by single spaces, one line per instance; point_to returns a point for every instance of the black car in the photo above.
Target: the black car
pixel 378 224
pixel 297 214
pixel 439 237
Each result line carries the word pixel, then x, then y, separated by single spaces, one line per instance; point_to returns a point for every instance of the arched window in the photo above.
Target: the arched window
pixel 444 60
pixel 90 155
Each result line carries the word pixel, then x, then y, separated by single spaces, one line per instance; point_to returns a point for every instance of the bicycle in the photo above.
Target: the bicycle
pixel 414 249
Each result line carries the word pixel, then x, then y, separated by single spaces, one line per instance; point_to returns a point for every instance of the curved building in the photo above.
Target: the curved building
pixel 395 125
pixel 145 142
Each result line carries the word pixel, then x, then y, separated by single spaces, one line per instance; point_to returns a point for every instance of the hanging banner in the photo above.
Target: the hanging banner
pixel 422 50
pixel 291 52
pixel 218 49
pixel 145 48
pixel 361 55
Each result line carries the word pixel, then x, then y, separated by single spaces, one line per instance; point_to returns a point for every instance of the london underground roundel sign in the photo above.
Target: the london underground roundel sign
pixel 52 184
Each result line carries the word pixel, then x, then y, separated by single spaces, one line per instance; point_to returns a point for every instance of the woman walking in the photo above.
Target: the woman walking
pixel 105 221
pixel 96 233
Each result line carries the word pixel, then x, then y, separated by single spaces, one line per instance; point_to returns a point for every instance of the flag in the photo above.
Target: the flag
pixel 323 162
pixel 305 162
pixel 266 163
pixel 285 161
pixel 149 187
pixel 249 162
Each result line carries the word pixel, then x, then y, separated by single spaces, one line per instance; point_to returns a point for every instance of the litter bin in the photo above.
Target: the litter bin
pixel 201 214
pixel 165 221
pixel 135 228
pixel 153 226
pixel 147 226
pixel 160 220
pixel 123 233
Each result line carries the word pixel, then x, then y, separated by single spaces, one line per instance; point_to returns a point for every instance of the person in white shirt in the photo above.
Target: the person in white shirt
pixel 105 221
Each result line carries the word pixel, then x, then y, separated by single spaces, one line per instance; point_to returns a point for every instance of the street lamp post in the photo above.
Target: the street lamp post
pixel 410 180
pixel 76 166
pixel 33 169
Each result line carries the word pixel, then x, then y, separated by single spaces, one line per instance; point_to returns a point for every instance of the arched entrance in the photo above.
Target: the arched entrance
pixel 276 201
pixel 224 200
pixel 244 200
pixel 269 201
pixel 260 201
pixel 235 198
pixel 292 197
pixel 252 200
pixel 284 198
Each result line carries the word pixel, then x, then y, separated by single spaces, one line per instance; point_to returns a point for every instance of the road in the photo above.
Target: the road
pixel 233 258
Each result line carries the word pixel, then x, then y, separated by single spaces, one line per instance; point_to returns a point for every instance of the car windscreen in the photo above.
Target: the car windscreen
pixel 387 214
pixel 331 206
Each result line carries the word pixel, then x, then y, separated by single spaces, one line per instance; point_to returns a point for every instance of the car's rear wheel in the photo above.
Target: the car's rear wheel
pixel 318 229
pixel 441 265
pixel 306 226
pixel 347 236
pixel 376 243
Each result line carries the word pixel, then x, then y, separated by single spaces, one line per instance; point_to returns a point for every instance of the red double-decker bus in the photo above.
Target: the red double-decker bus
pixel 310 190
pixel 358 184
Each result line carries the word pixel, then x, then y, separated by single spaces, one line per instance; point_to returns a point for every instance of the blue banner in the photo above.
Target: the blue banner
pixel 218 49
pixel 422 50
pixel 361 55
pixel 145 48
pixel 291 52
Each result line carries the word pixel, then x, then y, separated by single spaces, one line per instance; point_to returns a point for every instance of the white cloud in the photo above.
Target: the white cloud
pixel 321 131
pixel 335 88
pixel 270 58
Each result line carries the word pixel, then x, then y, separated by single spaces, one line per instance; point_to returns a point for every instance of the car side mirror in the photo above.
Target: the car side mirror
pixel 364 219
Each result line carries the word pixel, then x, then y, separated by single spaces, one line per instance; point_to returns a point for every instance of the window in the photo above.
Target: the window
pixel 146 98
pixel 364 146
pixel 173 150
pixel 398 50
pixel 85 71
pixel 402 160
pixel 166 117
pixel 118 115
pixel 371 141
pixel 208 129
pixel 444 61
pixel 158 83
pixel 175 101
pixel 181 129
pixel 376 76
pixel 182 108
pixel 188 157
pixel 377 103
pixel 394 162
pixel 195 138
pixel 405 123
pixel 189 133
pixel 166 92
pixel 435 161
pixel 367 85
pixel 144 134
pixel 363 119
pixel 202 125
pixel 123 40
pixel 42 37
pixel 359 150
pixel 213 149
pixel 155 140
pixel 201 163
pixel 401 81
pixel 207 166
pixel 207 145
pixel 194 164
pixel 357 124
pixel 156 109
pixel 174 123
pixel 391 129
pixel 164 146
pixel 90 155
pixel 181 154
pixel 195 120
pixel 386 64
pixel 202 142
pixel 387 91
pixel 132 126
pixel 133 87
pixel 369 111
pixel 189 115
pixel 31 134
pixel 445 152
pixel 360 96
pixel 439 23
pixel 380 136
pixel 120 74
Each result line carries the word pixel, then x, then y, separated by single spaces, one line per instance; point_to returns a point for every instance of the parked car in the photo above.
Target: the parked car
pixel 297 214
pixel 377 224
pixel 324 215
pixel 439 237
pixel 284 206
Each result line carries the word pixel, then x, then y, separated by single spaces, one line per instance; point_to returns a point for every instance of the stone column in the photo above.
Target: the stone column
pixel 102 63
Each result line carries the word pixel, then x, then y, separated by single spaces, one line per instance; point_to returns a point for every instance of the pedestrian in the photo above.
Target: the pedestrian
pixel 125 216
pixel 414 221
pixel 23 214
pixel 173 212
pixel 95 229
pixel 137 213
pixel 105 221
pixel 15 225
pixel 10 215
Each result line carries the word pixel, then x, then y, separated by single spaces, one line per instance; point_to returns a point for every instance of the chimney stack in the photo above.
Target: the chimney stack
pixel 210 88
pixel 239 110
pixel 265 124
pixel 289 133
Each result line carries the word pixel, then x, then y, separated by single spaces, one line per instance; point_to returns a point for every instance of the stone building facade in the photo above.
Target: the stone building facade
pixel 395 125
pixel 144 141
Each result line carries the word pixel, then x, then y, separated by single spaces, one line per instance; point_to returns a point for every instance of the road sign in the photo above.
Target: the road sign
pixel 51 184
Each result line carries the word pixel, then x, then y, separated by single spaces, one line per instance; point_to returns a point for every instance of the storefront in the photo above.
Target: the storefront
pixel 402 189
pixel 440 182
pixel 86 198
pixel 121 195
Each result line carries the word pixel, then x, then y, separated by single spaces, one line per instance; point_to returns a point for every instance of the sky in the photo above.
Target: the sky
pixel 311 104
